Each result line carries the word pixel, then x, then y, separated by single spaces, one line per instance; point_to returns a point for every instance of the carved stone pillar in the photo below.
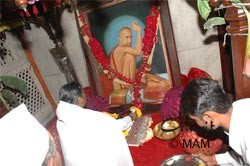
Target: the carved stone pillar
pixel 238 25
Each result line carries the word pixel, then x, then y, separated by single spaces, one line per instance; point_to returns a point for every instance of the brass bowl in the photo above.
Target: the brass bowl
pixel 167 129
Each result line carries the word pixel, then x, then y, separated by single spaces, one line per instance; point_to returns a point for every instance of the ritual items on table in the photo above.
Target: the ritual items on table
pixel 140 132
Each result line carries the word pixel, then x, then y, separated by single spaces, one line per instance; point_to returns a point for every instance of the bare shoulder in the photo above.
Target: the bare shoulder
pixel 120 49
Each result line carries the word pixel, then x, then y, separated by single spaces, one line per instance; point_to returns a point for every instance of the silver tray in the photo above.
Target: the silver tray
pixel 183 160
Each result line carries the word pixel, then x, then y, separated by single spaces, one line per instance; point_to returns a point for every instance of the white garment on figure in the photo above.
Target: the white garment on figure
pixel 23 140
pixel 239 134
pixel 91 138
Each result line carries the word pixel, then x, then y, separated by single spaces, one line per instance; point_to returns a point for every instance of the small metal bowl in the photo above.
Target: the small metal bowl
pixel 167 130
pixel 185 159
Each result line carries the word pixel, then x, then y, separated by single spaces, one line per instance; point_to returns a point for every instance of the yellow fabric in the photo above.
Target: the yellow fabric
pixel 125 133
pixel 114 115
pixel 137 110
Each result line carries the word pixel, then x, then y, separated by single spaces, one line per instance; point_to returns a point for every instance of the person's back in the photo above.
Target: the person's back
pixel 91 138
pixel 25 142
pixel 238 137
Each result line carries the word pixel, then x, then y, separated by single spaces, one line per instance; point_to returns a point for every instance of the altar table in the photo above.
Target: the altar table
pixel 151 153
pixel 155 151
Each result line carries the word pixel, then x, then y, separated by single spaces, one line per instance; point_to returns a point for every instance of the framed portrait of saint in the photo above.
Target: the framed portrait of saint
pixel 133 55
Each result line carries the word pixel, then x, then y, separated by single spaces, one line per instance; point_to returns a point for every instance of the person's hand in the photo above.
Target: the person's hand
pixel 209 160
pixel 135 27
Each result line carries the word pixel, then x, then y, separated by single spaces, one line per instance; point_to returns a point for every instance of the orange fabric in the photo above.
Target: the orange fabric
pixel 111 58
pixel 106 84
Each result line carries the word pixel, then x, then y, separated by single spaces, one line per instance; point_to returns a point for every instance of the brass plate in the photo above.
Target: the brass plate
pixel 168 125
pixel 183 160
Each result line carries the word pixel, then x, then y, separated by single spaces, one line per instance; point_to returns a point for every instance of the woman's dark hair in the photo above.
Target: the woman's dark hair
pixel 70 92
pixel 203 94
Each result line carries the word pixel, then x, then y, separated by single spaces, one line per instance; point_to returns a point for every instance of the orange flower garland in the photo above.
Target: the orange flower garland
pixel 148 40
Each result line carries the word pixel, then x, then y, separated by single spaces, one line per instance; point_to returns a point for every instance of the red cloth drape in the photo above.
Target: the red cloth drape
pixel 155 151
